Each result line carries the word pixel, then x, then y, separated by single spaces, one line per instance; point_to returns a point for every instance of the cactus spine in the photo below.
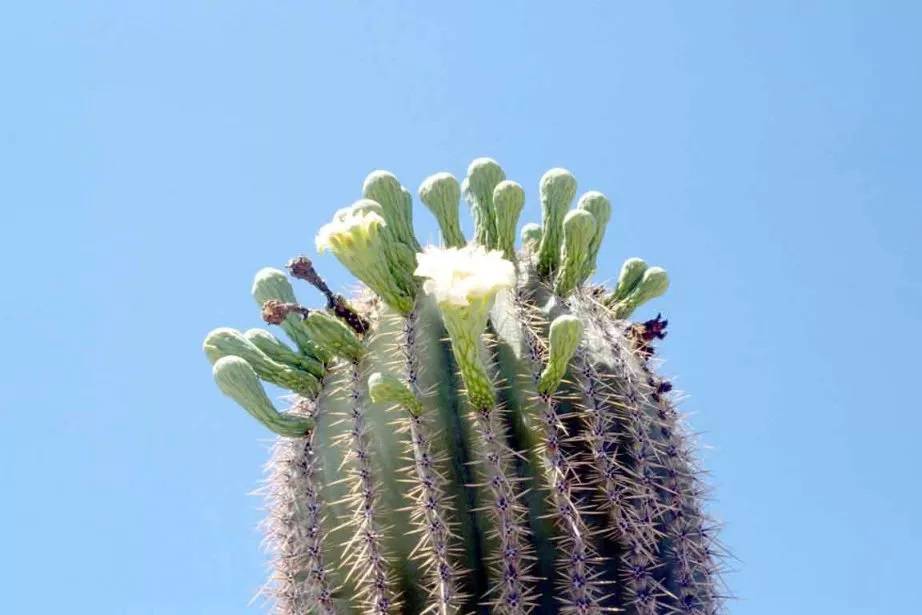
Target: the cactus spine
pixel 549 470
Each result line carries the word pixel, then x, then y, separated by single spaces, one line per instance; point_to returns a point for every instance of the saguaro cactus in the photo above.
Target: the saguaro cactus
pixel 481 430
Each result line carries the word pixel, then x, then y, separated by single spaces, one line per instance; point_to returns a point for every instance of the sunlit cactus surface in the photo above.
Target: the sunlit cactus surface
pixel 481 429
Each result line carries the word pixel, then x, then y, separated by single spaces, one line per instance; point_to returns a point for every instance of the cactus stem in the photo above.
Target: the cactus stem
pixel 622 495
pixel 430 493
pixel 303 268
pixel 513 597
pixel 295 524
pixel 578 559
pixel 646 453
pixel 365 551
pixel 690 532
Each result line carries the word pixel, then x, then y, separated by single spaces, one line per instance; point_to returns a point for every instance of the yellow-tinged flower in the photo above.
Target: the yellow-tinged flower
pixel 355 236
pixel 352 228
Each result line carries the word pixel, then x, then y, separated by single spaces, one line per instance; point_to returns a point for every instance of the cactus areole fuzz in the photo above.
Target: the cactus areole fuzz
pixel 479 431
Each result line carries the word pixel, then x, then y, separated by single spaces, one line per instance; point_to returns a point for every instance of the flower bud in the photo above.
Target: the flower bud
pixel 237 379
pixel 396 204
pixel 224 342
pixel 655 282
pixel 333 335
pixel 441 194
pixel 531 237
pixel 482 176
pixel 276 350
pixel 564 338
pixel 386 389
pixel 269 284
pixel 631 272
pixel 508 201
pixel 578 230
pixel 557 189
pixel 599 206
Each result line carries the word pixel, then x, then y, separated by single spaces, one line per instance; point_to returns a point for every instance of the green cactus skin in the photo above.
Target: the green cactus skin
pixel 493 438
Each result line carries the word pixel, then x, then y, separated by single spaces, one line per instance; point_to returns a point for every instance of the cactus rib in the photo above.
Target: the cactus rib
pixel 365 551
pixel 582 592
pixel 295 524
pixel 430 498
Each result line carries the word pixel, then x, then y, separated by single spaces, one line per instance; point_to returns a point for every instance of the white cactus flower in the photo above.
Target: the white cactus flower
pixel 464 276
pixel 464 283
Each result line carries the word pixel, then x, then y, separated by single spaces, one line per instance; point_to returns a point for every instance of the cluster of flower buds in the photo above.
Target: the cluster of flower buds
pixel 637 284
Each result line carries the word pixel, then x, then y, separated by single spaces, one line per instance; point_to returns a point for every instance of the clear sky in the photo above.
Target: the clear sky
pixel 154 155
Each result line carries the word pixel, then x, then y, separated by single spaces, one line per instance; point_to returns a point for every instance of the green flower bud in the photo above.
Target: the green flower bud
pixel 356 238
pixel 655 282
pixel 386 389
pixel 482 176
pixel 508 201
pixel 441 194
pixel 631 272
pixel 599 206
pixel 531 237
pixel 333 335
pixel 557 188
pixel 464 283
pixel 278 351
pixel 225 342
pixel 578 230
pixel 396 203
pixel 270 283
pixel 565 336
pixel 237 379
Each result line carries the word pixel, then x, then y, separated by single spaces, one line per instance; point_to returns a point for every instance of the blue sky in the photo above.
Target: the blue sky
pixel 154 155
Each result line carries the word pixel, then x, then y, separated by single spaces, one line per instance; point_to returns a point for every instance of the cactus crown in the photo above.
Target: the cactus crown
pixel 549 469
